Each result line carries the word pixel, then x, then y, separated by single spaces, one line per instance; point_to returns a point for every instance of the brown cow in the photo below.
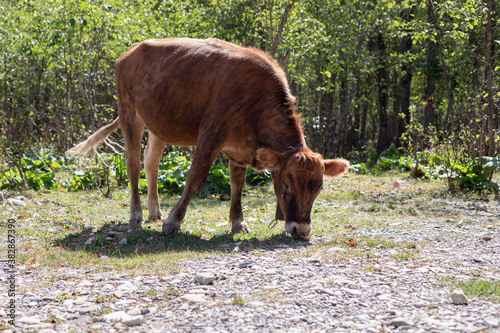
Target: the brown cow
pixel 219 97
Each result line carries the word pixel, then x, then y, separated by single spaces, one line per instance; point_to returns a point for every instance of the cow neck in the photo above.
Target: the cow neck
pixel 286 143
pixel 286 139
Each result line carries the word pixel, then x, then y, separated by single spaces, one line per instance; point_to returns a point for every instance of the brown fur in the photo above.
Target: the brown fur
pixel 219 97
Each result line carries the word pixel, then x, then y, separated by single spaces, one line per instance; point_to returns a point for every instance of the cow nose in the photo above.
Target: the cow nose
pixel 298 229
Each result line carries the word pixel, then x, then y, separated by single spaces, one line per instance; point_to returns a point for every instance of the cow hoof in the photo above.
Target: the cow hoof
pixel 170 228
pixel 136 223
pixel 155 216
pixel 240 227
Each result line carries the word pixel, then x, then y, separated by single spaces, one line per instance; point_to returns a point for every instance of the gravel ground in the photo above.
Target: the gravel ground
pixel 287 288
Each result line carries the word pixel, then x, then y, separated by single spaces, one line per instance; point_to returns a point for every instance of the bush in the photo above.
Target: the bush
pixel 38 171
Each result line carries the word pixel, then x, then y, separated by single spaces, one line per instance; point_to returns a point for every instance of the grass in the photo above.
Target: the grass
pixel 481 289
pixel 406 254
pixel 50 231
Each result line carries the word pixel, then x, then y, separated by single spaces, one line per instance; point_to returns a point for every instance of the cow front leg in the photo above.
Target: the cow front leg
pixel 152 156
pixel 237 176
pixel 203 158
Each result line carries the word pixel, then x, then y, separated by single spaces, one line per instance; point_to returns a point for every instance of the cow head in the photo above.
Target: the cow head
pixel 298 178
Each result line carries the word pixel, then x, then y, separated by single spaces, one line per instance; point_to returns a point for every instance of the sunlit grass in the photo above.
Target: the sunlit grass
pixel 50 230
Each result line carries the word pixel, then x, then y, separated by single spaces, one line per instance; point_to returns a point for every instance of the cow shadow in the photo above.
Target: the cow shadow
pixel 151 241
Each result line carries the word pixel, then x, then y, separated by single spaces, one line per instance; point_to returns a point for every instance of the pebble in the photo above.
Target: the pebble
pixel 16 202
pixel 399 322
pixel 117 316
pixel 195 298
pixel 123 241
pixel 458 297
pixel 127 286
pixel 294 287
pixel 204 278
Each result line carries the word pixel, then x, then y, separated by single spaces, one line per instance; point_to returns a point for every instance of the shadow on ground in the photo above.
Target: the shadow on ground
pixel 106 240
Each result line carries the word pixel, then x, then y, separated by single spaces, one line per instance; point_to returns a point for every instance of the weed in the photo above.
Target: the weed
pixel 237 300
pixel 406 254
pixel 100 299
pixel 61 297
pixel 476 272
pixel 171 292
pixel 150 293
pixel 104 310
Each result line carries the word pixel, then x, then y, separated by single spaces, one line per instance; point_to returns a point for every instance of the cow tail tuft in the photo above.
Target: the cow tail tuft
pixel 94 140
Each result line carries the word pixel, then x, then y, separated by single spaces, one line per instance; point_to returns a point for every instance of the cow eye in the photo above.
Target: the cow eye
pixel 286 187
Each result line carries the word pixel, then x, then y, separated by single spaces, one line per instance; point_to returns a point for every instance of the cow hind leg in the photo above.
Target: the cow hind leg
pixel 237 176
pixel 152 156
pixel 204 156
pixel 132 131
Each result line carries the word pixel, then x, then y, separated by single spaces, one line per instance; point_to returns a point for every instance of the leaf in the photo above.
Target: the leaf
pixel 491 163
pixel 351 242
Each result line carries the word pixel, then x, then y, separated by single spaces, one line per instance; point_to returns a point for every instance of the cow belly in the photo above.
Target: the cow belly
pixel 175 135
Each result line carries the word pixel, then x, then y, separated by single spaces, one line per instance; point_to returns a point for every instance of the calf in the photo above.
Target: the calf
pixel 219 97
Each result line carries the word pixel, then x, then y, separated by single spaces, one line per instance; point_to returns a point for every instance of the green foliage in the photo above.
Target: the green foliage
pixel 110 172
pixel 255 178
pixel 172 173
pixel 36 171
pixel 57 81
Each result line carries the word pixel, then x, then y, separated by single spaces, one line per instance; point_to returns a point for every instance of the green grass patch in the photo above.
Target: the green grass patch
pixel 489 290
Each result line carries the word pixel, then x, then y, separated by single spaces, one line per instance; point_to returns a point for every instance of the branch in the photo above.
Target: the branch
pixel 284 17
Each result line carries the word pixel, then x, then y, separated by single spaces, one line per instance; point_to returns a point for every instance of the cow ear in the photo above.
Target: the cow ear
pixel 335 168
pixel 269 158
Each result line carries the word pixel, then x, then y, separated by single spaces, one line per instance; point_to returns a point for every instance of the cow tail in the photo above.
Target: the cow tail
pixel 95 139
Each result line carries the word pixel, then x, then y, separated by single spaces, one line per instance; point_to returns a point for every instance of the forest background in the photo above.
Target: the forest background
pixel 368 75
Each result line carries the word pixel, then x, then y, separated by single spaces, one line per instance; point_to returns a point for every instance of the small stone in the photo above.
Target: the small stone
pixel 204 278
pixel 123 228
pixel 184 306
pixel 134 312
pixel 28 320
pixel 127 286
pixel 136 321
pixel 88 309
pixel 121 327
pixel 246 264
pixel 487 237
pixel 458 297
pixel 88 229
pixel 123 241
pixel 314 261
pixel 335 249
pixel 120 293
pixel 117 316
pixel 353 292
pixel 295 320
pixel 195 298
pixel 16 202
pixel 420 304
pixel 400 322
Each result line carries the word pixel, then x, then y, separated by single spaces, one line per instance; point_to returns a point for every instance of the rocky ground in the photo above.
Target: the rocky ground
pixel 287 288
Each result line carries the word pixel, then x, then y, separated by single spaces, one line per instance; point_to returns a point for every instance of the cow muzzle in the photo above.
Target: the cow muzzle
pixel 298 229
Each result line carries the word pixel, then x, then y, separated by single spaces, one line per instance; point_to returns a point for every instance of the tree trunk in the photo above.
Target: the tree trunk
pixel 490 107
pixel 384 137
pixel 405 46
